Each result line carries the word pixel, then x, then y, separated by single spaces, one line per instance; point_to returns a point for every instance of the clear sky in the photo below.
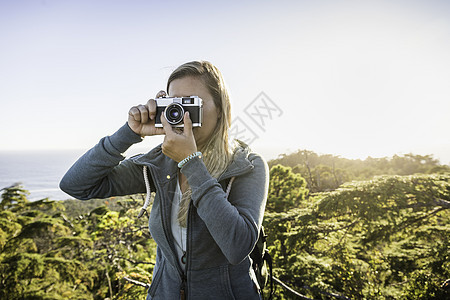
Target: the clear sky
pixel 351 78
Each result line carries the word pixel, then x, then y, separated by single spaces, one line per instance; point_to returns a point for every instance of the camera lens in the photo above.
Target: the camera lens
pixel 174 113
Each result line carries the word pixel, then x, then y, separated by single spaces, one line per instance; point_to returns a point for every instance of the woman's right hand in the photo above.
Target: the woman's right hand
pixel 141 118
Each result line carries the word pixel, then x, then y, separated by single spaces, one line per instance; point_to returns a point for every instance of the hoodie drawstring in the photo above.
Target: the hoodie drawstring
pixel 149 194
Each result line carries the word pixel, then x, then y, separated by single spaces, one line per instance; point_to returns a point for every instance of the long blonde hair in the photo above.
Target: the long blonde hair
pixel 217 152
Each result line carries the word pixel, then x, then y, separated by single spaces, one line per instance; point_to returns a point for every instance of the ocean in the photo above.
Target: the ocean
pixel 39 172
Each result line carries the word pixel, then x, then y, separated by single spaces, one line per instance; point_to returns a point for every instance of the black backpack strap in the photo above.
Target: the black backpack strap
pixel 256 255
pixel 268 258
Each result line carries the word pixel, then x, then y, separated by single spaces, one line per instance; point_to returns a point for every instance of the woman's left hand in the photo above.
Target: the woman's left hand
pixel 178 144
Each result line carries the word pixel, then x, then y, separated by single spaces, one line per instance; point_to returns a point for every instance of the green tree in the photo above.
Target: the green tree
pixel 287 193
pixel 286 189
pixel 13 197
pixel 381 239
pixel 47 255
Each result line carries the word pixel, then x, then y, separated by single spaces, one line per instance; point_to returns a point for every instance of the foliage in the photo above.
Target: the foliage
pixel 286 189
pixel 327 172
pixel 46 255
pixel 13 197
pixel 386 238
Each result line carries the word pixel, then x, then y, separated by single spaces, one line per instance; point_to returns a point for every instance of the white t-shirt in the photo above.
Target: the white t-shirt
pixel 178 232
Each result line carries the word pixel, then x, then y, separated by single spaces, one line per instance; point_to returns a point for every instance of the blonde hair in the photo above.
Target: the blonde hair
pixel 216 152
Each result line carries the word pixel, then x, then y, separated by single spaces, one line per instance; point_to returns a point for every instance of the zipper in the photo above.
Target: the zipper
pixel 188 252
pixel 183 291
pixel 168 235
pixel 183 288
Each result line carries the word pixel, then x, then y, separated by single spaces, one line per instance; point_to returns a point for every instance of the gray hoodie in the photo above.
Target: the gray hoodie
pixel 221 232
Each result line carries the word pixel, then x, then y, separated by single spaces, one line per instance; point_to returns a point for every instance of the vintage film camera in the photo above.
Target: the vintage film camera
pixel 174 109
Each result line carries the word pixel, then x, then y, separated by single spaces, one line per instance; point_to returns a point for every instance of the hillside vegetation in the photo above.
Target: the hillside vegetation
pixel 338 229
pixel 327 172
pixel 385 238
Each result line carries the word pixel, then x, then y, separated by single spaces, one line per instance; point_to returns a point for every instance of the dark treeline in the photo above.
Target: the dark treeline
pixel 327 172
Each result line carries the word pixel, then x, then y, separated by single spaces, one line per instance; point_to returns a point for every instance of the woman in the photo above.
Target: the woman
pixel 204 235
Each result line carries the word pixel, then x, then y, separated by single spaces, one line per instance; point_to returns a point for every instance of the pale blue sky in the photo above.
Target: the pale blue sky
pixel 352 78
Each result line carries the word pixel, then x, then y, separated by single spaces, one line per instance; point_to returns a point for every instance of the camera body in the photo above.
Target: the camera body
pixel 174 109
